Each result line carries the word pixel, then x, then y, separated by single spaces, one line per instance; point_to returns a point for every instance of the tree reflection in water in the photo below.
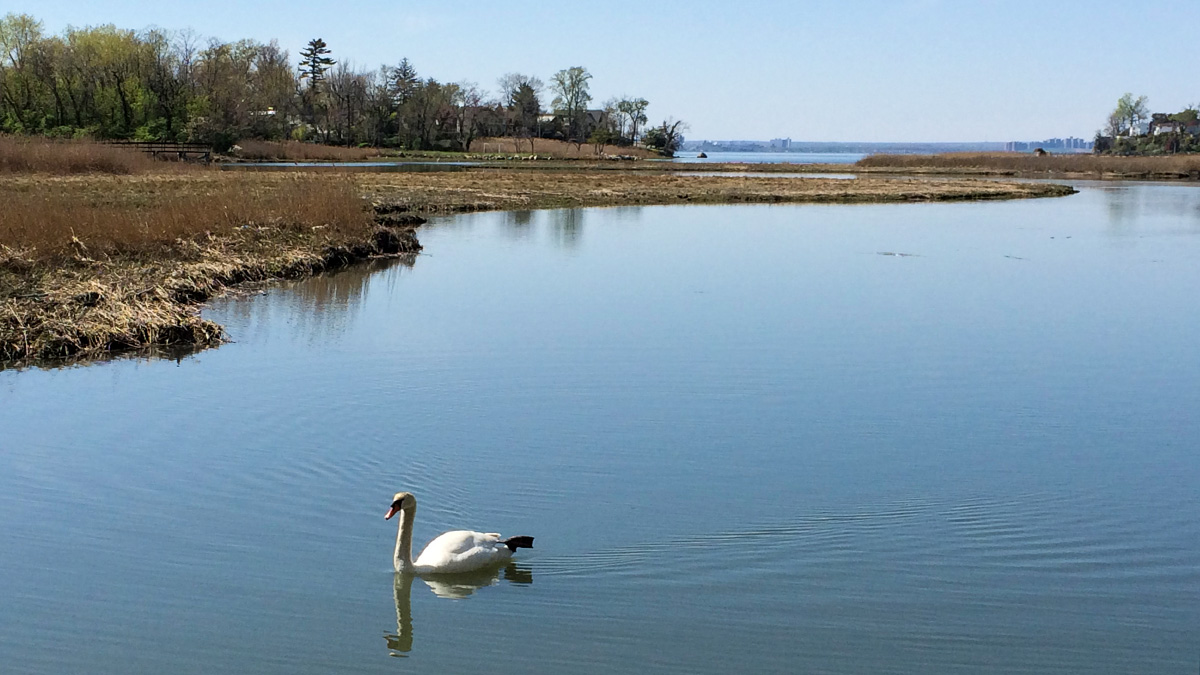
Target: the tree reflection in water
pixel 568 226
pixel 518 224
pixel 1134 211
pixel 317 309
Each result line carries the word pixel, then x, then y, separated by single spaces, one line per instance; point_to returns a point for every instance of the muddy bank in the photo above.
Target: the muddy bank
pixel 97 264
pixel 87 307
pixel 94 265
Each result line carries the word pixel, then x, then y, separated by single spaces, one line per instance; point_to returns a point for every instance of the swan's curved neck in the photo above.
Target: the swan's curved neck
pixel 403 640
pixel 403 557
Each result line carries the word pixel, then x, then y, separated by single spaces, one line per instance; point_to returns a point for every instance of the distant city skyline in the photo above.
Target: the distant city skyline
pixel 866 71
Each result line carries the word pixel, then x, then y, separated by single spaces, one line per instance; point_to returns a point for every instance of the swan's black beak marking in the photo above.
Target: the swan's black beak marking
pixel 394 508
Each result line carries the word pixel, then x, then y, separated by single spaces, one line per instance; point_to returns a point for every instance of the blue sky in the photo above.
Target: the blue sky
pixel 864 70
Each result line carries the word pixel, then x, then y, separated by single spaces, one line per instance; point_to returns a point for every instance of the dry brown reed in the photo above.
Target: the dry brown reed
pixel 88 266
pixel 63 157
pixel 458 191
pixel 548 147
pixel 52 220
pixel 295 151
pixel 1172 166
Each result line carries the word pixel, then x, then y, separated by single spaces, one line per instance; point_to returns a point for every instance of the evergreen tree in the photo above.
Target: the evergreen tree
pixel 403 81
pixel 314 62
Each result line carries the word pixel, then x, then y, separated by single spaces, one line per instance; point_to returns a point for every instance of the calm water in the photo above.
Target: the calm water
pixel 950 438
pixel 773 157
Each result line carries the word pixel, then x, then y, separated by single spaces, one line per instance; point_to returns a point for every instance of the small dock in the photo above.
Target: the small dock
pixel 184 152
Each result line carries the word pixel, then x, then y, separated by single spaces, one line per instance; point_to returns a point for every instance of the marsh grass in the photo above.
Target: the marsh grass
pixel 66 157
pixel 99 265
pixel 554 149
pixel 545 148
pixel 52 220
pixel 1176 166
pixel 491 189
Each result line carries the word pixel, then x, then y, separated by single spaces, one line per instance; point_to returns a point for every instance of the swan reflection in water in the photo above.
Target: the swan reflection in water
pixel 449 586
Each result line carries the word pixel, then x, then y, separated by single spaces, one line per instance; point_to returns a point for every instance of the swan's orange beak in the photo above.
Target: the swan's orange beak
pixel 391 512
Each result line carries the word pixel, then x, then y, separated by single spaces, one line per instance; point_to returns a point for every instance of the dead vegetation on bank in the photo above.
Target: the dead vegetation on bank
pixel 487 190
pixel 295 151
pixel 66 157
pixel 57 219
pixel 95 263
pixel 486 148
pixel 1010 163
pixel 549 148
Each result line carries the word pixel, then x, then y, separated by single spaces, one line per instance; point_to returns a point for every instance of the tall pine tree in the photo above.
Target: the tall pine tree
pixel 314 62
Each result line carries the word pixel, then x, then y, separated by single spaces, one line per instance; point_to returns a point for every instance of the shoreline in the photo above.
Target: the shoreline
pixel 1080 166
pixel 82 304
pixel 667 166
pixel 932 171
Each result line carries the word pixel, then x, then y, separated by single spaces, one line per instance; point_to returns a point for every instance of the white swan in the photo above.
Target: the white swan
pixel 450 552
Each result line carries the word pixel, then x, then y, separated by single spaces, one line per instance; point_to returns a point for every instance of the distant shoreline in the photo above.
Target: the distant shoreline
pixel 1166 167
pixel 1067 166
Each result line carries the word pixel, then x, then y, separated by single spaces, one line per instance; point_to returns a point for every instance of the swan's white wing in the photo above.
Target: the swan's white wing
pixel 461 551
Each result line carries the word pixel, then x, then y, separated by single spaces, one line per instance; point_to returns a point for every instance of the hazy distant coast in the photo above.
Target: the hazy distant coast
pixel 785 146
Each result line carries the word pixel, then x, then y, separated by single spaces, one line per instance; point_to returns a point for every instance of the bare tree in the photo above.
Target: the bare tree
pixel 429 111
pixel 634 109
pixel 470 109
pixel 612 111
pixel 667 137
pixel 521 96
pixel 571 96
pixel 348 101
pixel 511 84
pixel 1114 125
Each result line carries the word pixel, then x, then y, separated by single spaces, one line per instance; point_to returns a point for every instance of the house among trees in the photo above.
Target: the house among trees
pixel 594 119
pixel 1162 123
pixel 556 125
pixel 1133 130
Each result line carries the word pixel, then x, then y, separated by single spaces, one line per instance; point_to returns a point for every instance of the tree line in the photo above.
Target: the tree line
pixel 109 83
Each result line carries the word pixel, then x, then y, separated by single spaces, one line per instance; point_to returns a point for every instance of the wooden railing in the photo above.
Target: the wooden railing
pixel 201 152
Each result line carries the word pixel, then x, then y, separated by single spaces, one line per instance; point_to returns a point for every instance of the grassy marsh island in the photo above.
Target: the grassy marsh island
pixel 103 250
pixel 1167 167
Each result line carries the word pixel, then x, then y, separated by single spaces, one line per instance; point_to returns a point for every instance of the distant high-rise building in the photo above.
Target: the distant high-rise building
pixel 1068 143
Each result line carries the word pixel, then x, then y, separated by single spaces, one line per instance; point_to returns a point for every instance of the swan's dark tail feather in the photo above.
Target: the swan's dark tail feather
pixel 514 543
